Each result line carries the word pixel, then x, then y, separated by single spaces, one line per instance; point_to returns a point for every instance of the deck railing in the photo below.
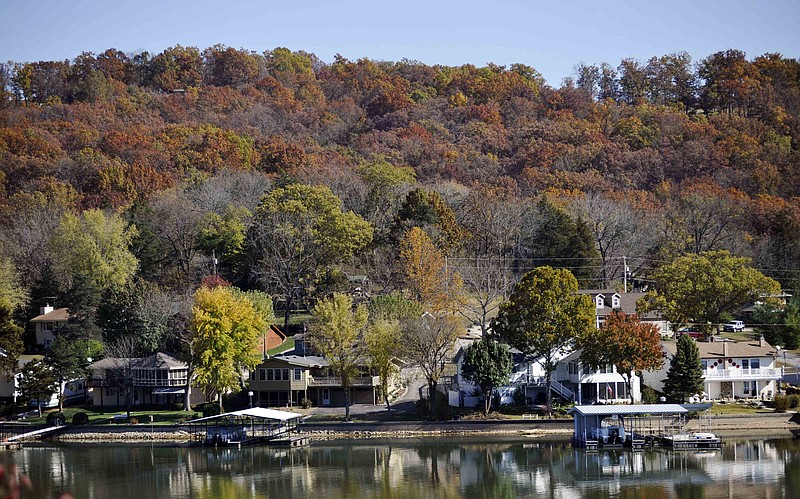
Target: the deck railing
pixel 337 381
pixel 741 374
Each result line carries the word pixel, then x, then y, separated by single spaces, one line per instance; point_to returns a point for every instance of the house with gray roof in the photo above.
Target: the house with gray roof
pixel 158 379
pixel 731 369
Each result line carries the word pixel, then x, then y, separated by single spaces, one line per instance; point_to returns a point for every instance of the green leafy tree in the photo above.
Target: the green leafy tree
pixel 544 316
pixel 779 325
pixel 10 343
pixel 12 294
pixel 225 330
pixel 337 333
pixel 299 232
pixel 488 364
pixel 707 287
pixel 94 246
pixel 685 374
pixel 382 340
pixel 69 356
pixel 37 382
pixel 626 343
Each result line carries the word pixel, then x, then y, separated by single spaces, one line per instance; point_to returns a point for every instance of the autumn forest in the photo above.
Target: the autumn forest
pixel 127 179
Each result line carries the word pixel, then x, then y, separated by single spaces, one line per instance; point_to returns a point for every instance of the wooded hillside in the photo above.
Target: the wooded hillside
pixel 634 164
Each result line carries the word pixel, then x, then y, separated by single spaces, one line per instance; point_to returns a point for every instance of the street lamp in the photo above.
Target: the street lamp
pixel 250 394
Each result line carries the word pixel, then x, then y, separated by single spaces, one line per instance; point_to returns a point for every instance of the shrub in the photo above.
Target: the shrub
pixel 794 401
pixel 56 418
pixel 80 418
pixel 306 403
pixel 649 396
pixel 133 420
pixel 210 409
pixel 781 403
pixel 519 398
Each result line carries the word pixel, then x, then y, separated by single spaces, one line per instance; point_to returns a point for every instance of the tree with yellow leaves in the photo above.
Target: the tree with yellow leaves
pixel 225 330
pixel 427 277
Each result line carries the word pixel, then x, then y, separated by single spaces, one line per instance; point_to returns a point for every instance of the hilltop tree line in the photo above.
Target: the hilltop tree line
pixel 125 179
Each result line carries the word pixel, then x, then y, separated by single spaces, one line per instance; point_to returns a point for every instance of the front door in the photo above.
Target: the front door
pixel 326 396
pixel 726 389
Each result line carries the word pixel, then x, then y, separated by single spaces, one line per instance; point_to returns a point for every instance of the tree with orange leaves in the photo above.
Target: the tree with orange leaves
pixel 427 277
pixel 626 343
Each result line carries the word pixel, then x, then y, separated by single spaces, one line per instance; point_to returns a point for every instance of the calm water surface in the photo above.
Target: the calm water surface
pixel 403 468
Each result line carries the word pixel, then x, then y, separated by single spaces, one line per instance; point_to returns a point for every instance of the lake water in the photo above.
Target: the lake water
pixel 414 468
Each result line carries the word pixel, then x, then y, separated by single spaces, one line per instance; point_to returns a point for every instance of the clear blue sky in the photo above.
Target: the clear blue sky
pixel 552 36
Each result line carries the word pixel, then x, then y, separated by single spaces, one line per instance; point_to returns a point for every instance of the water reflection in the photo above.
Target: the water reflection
pixel 437 468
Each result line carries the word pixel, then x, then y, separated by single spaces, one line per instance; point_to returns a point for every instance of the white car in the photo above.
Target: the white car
pixel 733 326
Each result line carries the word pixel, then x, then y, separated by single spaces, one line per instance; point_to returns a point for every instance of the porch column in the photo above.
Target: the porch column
pixel 580 393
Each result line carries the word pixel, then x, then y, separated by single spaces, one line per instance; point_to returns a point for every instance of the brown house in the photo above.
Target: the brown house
pixel 286 380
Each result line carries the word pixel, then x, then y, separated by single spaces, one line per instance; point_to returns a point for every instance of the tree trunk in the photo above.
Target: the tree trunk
pixel 628 385
pixel 346 402
pixel 39 406
pixel 187 392
pixel 548 378
pixel 432 396
pixel 219 395
pixel 487 401
pixel 286 313
pixel 385 389
pixel 61 387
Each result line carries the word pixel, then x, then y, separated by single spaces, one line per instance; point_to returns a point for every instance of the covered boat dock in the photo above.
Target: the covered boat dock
pixel 255 425
pixel 636 426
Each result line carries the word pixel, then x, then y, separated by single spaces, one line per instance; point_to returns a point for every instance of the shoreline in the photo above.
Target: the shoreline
pixel 766 425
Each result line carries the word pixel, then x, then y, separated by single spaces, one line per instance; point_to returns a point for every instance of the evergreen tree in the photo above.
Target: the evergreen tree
pixel 38 382
pixel 685 375
pixel 488 364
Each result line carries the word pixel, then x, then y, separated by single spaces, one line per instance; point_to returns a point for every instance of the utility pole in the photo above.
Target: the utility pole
pixel 214 261
pixel 625 272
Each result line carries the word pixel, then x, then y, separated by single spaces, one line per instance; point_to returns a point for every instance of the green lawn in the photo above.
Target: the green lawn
pixel 104 416
pixel 284 347
pixel 738 409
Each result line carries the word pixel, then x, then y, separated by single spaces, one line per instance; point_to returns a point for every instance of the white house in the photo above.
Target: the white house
pixel 744 369
pixel 572 381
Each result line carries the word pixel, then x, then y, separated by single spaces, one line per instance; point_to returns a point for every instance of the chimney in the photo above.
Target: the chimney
pixel 45 310
pixel 724 349
pixel 761 340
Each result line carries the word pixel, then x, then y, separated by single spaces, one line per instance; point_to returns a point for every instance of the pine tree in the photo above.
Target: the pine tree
pixel 685 375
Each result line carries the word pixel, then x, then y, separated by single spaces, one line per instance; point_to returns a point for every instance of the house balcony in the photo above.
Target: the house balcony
pixel 336 381
pixel 101 382
pixel 741 374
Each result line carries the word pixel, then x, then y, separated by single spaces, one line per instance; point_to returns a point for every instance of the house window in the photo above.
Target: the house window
pixel 47 326
pixel 615 302
pixel 704 365
pixel 746 387
pixel 298 374
pixel 252 375
pixel 48 342
pixel 755 363
pixel 599 301
pixel 286 375
pixel 270 374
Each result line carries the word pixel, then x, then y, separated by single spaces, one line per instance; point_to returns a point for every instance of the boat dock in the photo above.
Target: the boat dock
pixel 639 426
pixel 254 426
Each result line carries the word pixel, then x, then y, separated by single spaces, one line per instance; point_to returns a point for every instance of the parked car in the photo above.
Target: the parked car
pixel 692 331
pixel 733 326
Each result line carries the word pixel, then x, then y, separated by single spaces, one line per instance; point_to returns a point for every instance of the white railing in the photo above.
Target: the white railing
pixel 562 390
pixel 337 381
pixel 758 373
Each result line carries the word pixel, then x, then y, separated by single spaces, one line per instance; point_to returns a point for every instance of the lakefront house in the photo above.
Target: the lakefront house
pixel 731 369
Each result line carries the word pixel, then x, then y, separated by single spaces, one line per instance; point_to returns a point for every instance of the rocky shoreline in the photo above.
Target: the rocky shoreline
pixel 762 425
